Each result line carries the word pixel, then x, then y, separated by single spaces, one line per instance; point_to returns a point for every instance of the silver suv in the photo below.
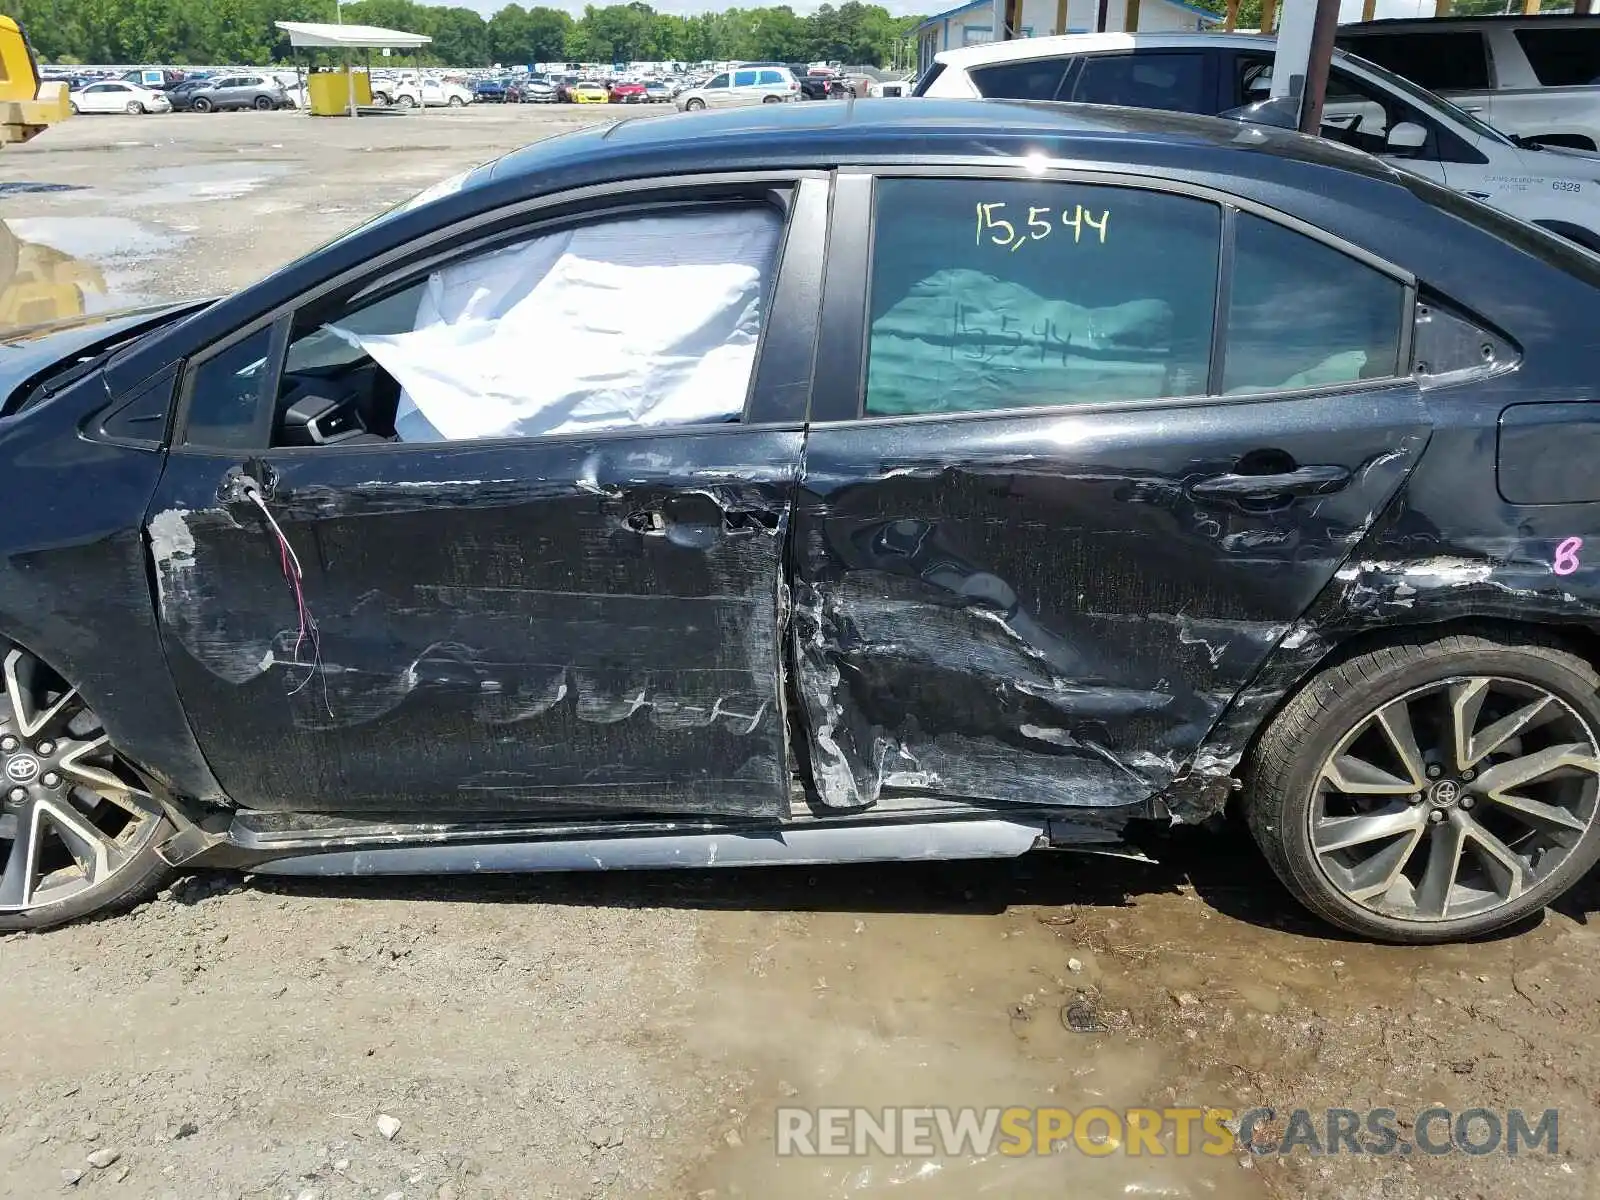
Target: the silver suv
pixel 242 91
pixel 1534 77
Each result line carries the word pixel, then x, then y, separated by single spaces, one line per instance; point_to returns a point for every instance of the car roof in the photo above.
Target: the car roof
pixel 873 130
pixel 1088 43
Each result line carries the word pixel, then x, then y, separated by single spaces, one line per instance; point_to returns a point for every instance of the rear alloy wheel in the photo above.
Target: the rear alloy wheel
pixel 78 828
pixel 772 99
pixel 1429 792
pixel 406 102
pixel 262 103
pixel 457 102
pixel 135 108
pixel 201 105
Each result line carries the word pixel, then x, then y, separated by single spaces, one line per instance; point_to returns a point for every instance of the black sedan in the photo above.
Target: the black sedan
pixel 674 494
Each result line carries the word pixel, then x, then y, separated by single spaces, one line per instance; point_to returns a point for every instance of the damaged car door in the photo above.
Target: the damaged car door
pixel 1082 450
pixel 500 533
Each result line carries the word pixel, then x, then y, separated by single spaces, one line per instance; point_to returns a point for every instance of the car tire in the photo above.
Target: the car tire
pixel 135 108
pixel 262 104
pixel 202 105
pixel 1328 795
pixel 406 102
pixel 694 105
pixel 772 99
pixel 72 106
pixel 84 828
pixel 457 102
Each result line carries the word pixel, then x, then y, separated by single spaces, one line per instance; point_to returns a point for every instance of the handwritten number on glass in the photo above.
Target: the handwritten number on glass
pixel 1039 225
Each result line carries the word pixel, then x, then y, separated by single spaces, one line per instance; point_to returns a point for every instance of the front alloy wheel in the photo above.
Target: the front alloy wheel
pixel 1434 790
pixel 78 828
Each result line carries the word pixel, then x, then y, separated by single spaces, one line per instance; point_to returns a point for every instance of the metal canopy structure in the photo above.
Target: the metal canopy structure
pixel 307 35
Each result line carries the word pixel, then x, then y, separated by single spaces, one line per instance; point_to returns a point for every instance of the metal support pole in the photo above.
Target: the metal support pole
pixel 1100 16
pixel 350 82
pixel 1369 9
pixel 1322 35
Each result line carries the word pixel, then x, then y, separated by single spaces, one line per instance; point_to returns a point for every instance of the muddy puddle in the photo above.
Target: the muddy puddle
pixel 200 183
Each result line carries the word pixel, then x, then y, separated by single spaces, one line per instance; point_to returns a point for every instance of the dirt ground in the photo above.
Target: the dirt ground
pixel 633 1034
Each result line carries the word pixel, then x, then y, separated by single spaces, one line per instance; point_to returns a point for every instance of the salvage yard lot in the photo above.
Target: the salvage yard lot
pixel 633 1034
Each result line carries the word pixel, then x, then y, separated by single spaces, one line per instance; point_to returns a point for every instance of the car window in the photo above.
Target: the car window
pixel 1173 81
pixel 1566 57
pixel 1028 79
pixel 744 78
pixel 771 77
pixel 1441 61
pixel 992 294
pixel 563 332
pixel 224 394
pixel 1303 314
pixel 935 69
pixel 721 81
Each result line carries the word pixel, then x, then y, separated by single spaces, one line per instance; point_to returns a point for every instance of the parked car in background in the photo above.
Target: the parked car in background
pixel 1536 77
pixel 230 92
pixel 117 96
pixel 490 91
pixel 1214 468
pixel 427 93
pixel 626 92
pixel 812 87
pixel 658 92
pixel 745 85
pixel 538 89
pixel 588 91
pixel 155 79
pixel 1367 107
pixel 181 95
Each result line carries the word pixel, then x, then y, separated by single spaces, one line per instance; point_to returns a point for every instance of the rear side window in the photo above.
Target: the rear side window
pixel 996 294
pixel 1030 79
pixel 744 78
pixel 1446 61
pixel 1303 314
pixel 225 394
pixel 1562 57
pixel 1175 82
pixel 771 77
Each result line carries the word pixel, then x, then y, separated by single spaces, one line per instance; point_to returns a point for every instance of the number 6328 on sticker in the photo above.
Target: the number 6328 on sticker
pixel 1040 223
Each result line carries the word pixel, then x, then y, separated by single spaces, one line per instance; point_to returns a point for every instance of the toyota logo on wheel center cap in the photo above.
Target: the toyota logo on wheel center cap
pixel 22 768
pixel 1445 793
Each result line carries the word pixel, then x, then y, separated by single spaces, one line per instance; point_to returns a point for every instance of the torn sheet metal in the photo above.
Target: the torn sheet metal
pixel 1037 610
pixel 569 625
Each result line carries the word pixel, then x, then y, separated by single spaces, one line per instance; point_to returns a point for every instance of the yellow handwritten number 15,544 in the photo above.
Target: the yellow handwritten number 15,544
pixel 1040 224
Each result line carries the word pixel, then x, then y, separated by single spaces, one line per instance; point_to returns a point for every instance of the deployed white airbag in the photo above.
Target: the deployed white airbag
pixel 643 322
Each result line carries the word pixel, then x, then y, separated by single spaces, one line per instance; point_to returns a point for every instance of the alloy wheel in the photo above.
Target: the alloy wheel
pixel 1454 799
pixel 72 815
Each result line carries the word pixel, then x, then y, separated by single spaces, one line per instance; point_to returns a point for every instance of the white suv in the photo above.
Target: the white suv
pixel 1366 107
pixel 1532 76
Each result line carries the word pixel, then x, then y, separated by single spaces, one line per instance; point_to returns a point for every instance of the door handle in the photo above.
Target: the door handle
pixel 1301 481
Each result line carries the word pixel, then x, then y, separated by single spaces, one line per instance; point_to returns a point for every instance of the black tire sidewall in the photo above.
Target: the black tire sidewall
pixel 1534 664
pixel 138 878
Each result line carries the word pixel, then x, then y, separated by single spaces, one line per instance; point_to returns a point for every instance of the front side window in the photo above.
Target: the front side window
pixel 1442 61
pixel 1172 81
pixel 997 294
pixel 225 394
pixel 744 79
pixel 636 322
pixel 721 81
pixel 1565 57
pixel 1303 314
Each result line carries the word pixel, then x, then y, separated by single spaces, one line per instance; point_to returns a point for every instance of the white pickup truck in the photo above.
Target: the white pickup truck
pixel 428 92
pixel 1537 77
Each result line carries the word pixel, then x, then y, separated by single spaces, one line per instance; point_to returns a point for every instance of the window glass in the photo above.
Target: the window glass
pixel 1303 314
pixel 1005 294
pixel 1566 57
pixel 1443 61
pixel 565 332
pixel 1029 79
pixel 744 78
pixel 225 394
pixel 933 72
pixel 1170 81
pixel 771 77
pixel 721 81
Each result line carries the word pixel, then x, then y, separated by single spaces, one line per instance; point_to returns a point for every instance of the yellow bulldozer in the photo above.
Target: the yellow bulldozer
pixel 27 107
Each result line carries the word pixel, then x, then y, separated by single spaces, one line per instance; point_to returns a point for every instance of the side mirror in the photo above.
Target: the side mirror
pixel 1407 135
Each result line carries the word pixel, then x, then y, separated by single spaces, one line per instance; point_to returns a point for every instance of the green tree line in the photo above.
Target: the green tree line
pixel 241 31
